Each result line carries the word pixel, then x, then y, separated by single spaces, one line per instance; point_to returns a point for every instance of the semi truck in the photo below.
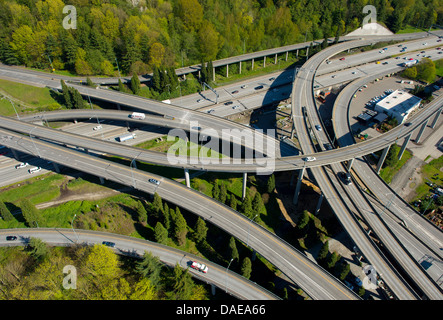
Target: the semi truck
pixel 410 63
pixel 126 137
pixel 138 115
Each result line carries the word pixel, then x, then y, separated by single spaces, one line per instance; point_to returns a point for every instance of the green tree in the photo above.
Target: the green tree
pixel 344 270
pixel 183 284
pixel 5 213
pixel 246 268
pixel 257 203
pixel 324 251
pixel 426 70
pixel 271 184
pixel 181 228
pixel 216 191
pixel 157 205
pixel 160 233
pixel 333 259
pixel 246 206
pixel 233 202
pixel 121 86
pixel 303 220
pixel 201 230
pixel 135 84
pixel 142 214
pixel 223 192
pixel 392 156
pixel 233 251
pixel 38 248
pixel 410 73
pixel 66 95
pixel 30 213
pixel 150 268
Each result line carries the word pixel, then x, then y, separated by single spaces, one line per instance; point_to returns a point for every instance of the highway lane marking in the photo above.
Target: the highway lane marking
pixel 152 246
pixel 100 161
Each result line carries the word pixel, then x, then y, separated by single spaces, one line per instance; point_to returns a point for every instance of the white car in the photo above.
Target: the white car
pixel 154 181
pixel 244 86
pixel 310 159
pixel 97 127
pixel 35 169
pixel 199 266
pixel 22 165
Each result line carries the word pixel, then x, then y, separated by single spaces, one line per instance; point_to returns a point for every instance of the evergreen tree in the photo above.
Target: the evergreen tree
pixel 157 205
pixel 181 228
pixel 142 214
pixel 5 213
pixel 246 268
pixel 121 86
pixel 324 251
pixel 210 71
pixel 66 95
pixel 257 203
pixel 246 206
pixel 216 191
pixel 38 249
pixel 150 267
pixel 166 217
pixel 200 230
pixel 89 82
pixel 271 184
pixel 156 81
pixel 223 192
pixel 344 270
pixel 233 202
pixel 233 252
pixel 30 213
pixel 183 284
pixel 333 259
pixel 135 84
pixel 303 220
pixel 161 234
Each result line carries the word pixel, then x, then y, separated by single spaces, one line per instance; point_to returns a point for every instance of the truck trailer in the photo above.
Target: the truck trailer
pixel 126 137
pixel 138 115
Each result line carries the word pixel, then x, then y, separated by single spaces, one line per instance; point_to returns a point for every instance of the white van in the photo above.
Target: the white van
pixel 35 169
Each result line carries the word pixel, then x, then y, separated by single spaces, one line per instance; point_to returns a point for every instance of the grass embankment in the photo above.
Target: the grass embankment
pixel 388 173
pixel 430 172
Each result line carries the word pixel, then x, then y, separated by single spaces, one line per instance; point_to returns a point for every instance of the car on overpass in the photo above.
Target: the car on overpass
pixel 309 159
pixel 199 266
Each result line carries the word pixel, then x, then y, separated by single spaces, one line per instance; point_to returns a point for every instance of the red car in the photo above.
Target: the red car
pixel 199 266
pixel 341 59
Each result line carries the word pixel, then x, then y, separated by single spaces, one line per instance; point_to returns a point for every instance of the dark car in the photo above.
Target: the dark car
pixel 228 103
pixel 407 124
pixel 235 91
pixel 346 177
pixel 11 238
pixel 109 244
pixel 258 88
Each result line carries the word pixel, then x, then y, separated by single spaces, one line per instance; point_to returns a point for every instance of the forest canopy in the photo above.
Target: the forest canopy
pixel 139 35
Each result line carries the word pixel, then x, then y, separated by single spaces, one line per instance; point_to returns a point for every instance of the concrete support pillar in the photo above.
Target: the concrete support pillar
pixel 213 73
pixel 134 164
pixel 382 158
pixel 118 106
pixel 245 178
pixel 403 147
pixel 275 59
pixel 252 67
pixel 239 67
pixel 286 58
pixel 292 131
pixel 102 180
pixel 187 179
pixel 420 133
pixel 297 54
pixel 350 163
pixel 307 53
pixel 264 61
pixel 227 70
pixel 254 255
pixel 213 289
pixel 434 122
pixel 56 167
pixel 301 172
pixel 320 200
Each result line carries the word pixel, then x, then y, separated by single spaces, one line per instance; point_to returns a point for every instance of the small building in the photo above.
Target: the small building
pixel 399 105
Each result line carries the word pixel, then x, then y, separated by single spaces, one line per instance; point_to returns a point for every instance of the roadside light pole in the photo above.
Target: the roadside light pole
pixel 30 135
pixel 12 106
pixel 226 286
pixel 72 226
